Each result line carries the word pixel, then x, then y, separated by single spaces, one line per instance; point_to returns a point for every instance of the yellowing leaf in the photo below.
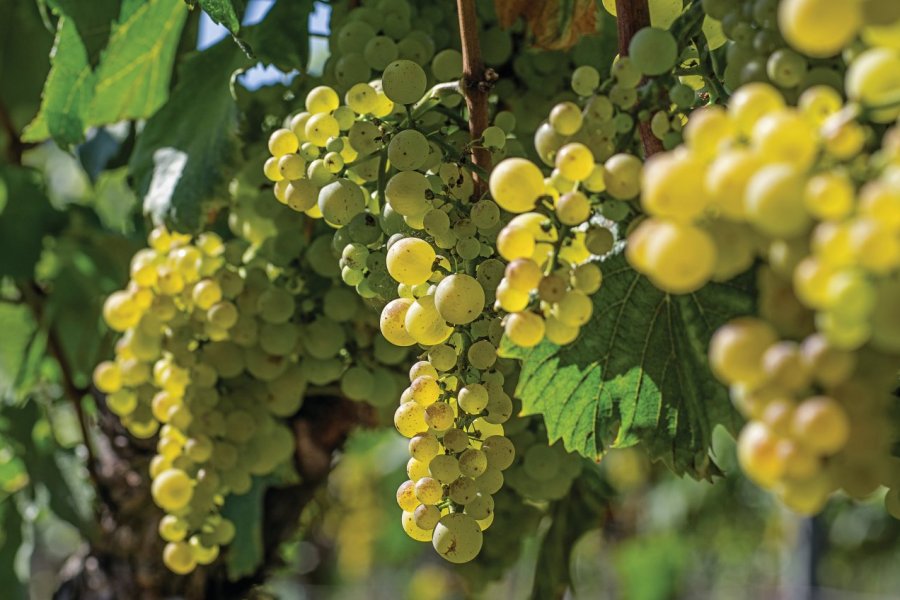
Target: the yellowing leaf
pixel 555 24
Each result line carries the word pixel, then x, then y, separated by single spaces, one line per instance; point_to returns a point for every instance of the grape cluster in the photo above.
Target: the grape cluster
pixel 757 50
pixel 540 472
pixel 804 189
pixel 213 332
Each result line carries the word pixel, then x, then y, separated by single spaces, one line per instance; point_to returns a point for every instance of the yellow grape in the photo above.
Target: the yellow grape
pixel 513 243
pixel 829 195
pixel 819 28
pixel 786 136
pixel 760 454
pixel 509 298
pixel 574 161
pixel 393 322
pixel 774 201
pixel 708 129
pixel 411 261
pixel 873 79
pixel 736 350
pixel 408 521
pixel 283 141
pixel 679 258
pixel 672 186
pixel 749 104
pixel 172 490
pixel 406 496
pixel 516 184
pixel 424 323
pixel 525 329
pixel 409 419
pixel 179 558
pixel 322 99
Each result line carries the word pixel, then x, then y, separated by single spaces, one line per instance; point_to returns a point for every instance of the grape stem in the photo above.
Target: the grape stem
pixel 631 17
pixel 475 88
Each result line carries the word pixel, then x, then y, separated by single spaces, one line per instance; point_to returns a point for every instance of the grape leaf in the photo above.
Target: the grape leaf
pixel 245 553
pixel 638 372
pixel 187 149
pixel 222 12
pixel 24 49
pixel 11 539
pixel 92 19
pixel 555 24
pixel 583 509
pixel 67 93
pixel 25 218
pixel 131 80
pixel 282 38
pixel 18 328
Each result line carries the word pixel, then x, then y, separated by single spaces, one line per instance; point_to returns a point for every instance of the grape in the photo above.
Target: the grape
pixel 623 176
pixel 444 468
pixel 340 201
pixel 283 141
pixel 408 150
pixel 679 258
pixel 566 118
pixel 661 196
pixel 380 51
pixel 424 390
pixel 351 69
pixel 818 28
pixel 406 193
pixel 525 329
pixel 403 81
pixel 872 78
pixel 172 490
pixel 321 127
pixel 322 99
pixel 516 184
pixel 473 398
pixel 585 79
pixel 442 357
pixel 424 447
pixel 774 201
pixel 179 558
pixel 361 98
pixel 410 261
pixel 573 208
pixel 482 355
pixel 457 538
pixel 425 324
pixel 412 530
pixel 393 318
pixel 490 481
pixel 463 490
pixel 459 299
pixel 427 517
pixel 447 65
pixel 499 452
pixel 409 419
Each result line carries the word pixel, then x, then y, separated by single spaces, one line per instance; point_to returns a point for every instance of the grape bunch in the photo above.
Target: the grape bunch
pixel 218 346
pixel 541 472
pixel 807 190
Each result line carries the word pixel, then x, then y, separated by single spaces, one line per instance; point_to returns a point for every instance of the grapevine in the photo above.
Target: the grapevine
pixel 518 237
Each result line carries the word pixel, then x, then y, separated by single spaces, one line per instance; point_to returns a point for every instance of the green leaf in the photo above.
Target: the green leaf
pixel 33 440
pixel 92 19
pixel 25 219
pixel 187 149
pixel 224 13
pixel 10 540
pixel 581 510
pixel 132 80
pixel 245 553
pixel 24 58
pixel 282 38
pixel 638 372
pixel 18 328
pixel 67 93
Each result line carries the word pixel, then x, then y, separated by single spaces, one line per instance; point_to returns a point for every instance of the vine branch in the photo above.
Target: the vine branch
pixel 34 297
pixel 475 85
pixel 631 17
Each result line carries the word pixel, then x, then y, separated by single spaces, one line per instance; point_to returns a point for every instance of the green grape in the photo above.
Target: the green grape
pixel 357 383
pixel 380 51
pixel 408 150
pixel 459 299
pixel 353 36
pixel 786 68
pixel 653 51
pixel 424 447
pixel 406 192
pixel 463 490
pixel 485 214
pixel 457 538
pixel 340 201
pixel 499 408
pixel 442 357
pixel 364 229
pixel 404 81
pixel 494 137
pixel 323 338
pixel 427 517
pixel 447 65
pixel 351 69
pixel 482 355
pixel 278 339
pixel 472 463
pixel 365 138
pixel 496 46
pixel 585 79
pixel 505 120
pixel 499 452
pixel 443 467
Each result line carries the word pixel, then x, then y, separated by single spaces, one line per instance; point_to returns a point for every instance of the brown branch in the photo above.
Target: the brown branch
pixel 631 17
pixel 35 297
pixel 475 84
